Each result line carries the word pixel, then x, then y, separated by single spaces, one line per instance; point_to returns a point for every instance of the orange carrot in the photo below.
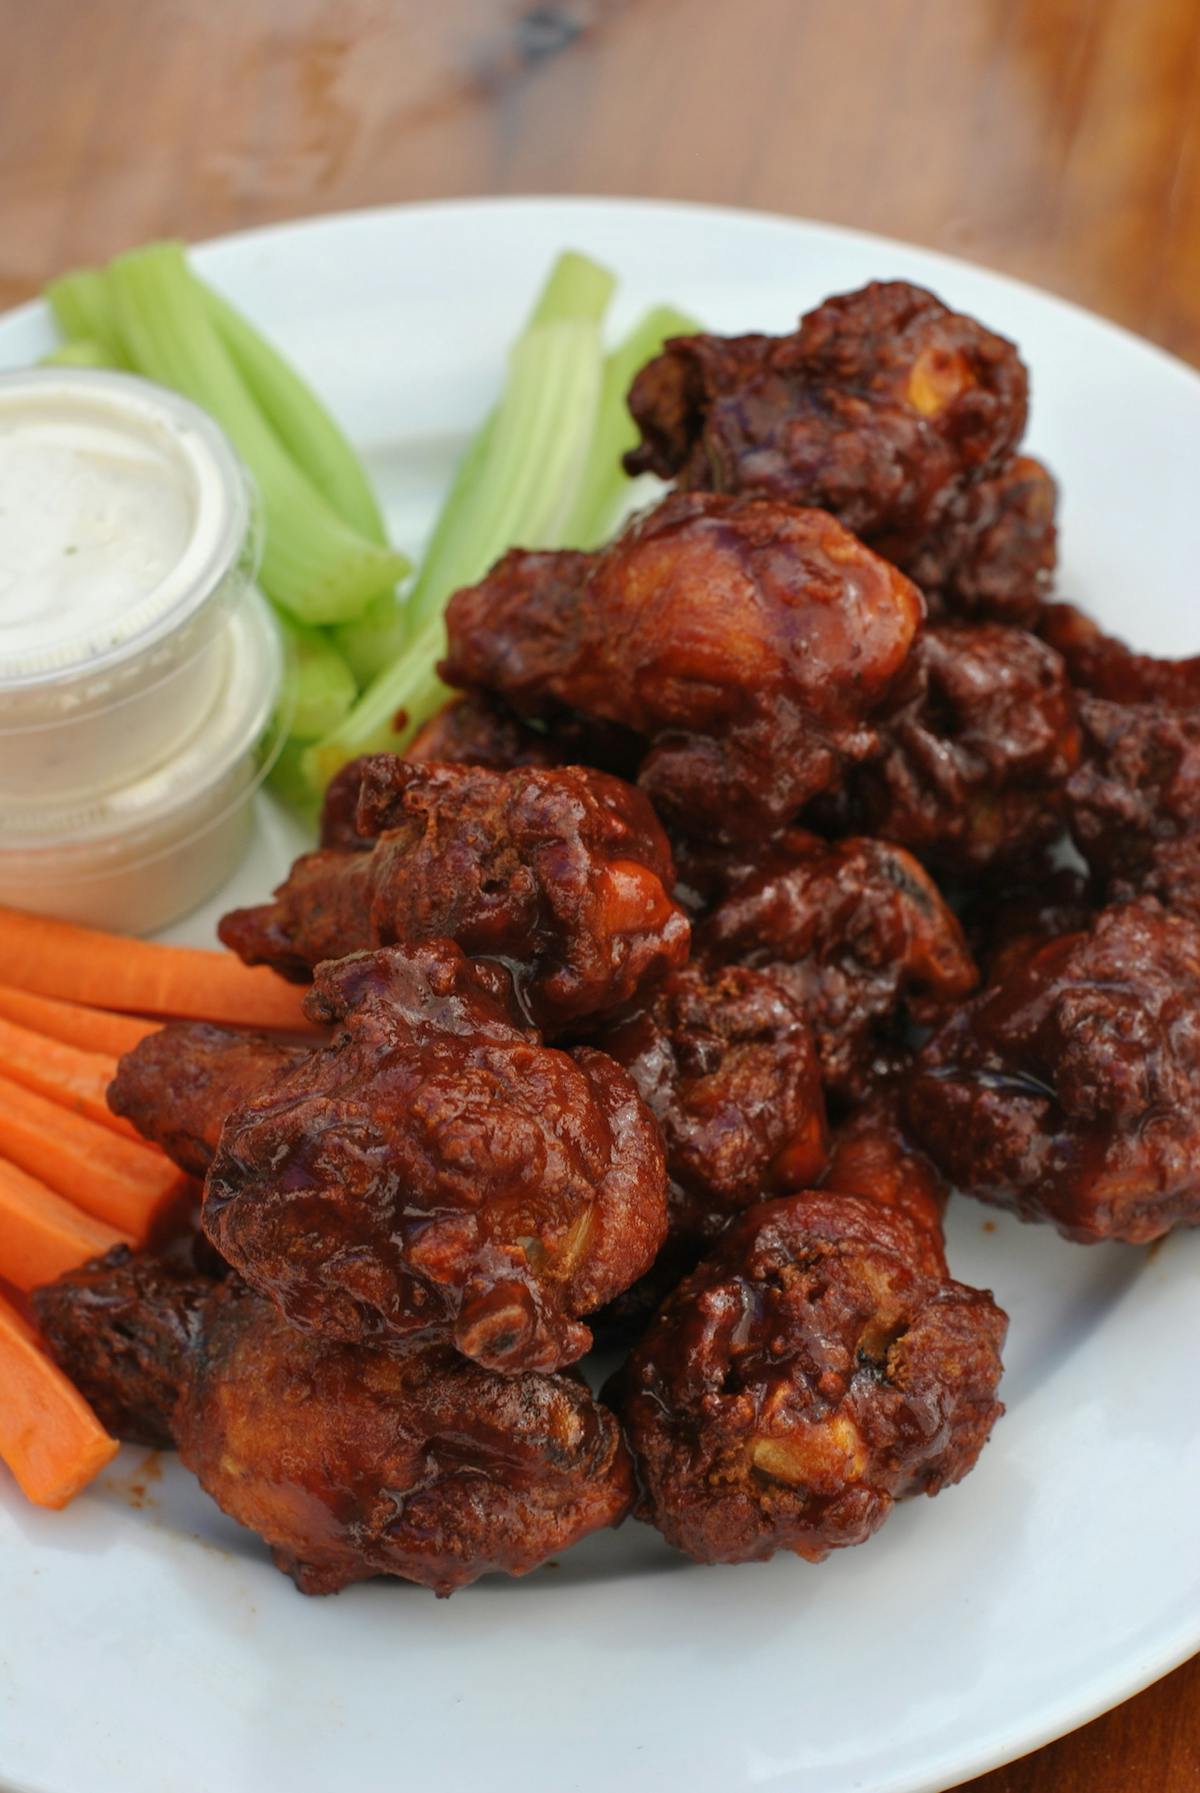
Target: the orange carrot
pixel 115 1180
pixel 92 1030
pixel 112 971
pixel 49 1437
pixel 41 1235
pixel 77 1080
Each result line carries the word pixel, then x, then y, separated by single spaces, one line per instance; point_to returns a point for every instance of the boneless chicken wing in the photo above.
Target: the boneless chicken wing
pixel 747 642
pixel 809 1373
pixel 881 408
pixel 562 873
pixel 992 557
pixel 123 1327
pixel 178 1085
pixel 724 1059
pixel 977 748
pixel 872 1156
pixel 437 1168
pixel 349 1460
pixel 860 936
pixel 1069 1089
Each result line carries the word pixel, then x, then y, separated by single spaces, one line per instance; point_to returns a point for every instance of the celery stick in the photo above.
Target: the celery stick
pixel 288 781
pixel 376 639
pixel 83 308
pixel 515 485
pixel 576 287
pixel 80 352
pixel 312 438
pixel 314 565
pixel 321 686
pixel 389 712
pixel 605 486
pixel 519 482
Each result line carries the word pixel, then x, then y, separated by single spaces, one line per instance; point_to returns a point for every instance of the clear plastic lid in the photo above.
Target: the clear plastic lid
pixel 233 748
pixel 127 539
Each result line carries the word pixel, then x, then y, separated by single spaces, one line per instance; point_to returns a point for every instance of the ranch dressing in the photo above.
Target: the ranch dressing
pixel 126 541
pixel 92 520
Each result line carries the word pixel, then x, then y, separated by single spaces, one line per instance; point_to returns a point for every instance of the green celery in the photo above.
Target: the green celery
pixel 82 308
pixel 524 478
pixel 376 639
pixel 389 712
pixel 287 780
pixel 321 687
pixel 516 484
pixel 314 565
pixel 605 486
pixel 312 438
pixel 576 287
pixel 81 351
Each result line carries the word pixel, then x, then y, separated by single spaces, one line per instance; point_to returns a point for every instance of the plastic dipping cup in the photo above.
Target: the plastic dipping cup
pixel 127 540
pixel 140 857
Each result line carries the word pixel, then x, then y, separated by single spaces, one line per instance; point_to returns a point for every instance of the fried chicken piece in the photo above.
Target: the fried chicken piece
pixel 436 1168
pixel 563 874
pixel 977 749
pixel 882 408
pixel 871 1156
pixel 1043 899
pixel 178 1085
pixel 1134 802
pixel 479 731
pixel 1105 667
pixel 1134 799
pixel 859 934
pixel 746 641
pixel 122 1328
pixel 806 1376
pixel 992 558
pixel 724 1060
pixel 358 1460
pixel 1068 1090
pixel 350 1460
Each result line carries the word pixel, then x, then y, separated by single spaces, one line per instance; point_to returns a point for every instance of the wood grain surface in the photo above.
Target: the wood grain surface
pixel 1054 139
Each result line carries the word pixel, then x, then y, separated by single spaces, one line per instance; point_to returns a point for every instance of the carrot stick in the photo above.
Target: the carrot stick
pixel 49 1437
pixel 77 1080
pixel 41 1235
pixel 115 1180
pixel 112 971
pixel 92 1030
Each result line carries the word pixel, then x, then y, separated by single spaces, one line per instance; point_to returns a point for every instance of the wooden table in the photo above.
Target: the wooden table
pixel 1055 139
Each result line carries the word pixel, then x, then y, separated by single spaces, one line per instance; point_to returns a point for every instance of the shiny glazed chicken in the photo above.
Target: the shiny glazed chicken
pixel 349 1460
pixel 652 986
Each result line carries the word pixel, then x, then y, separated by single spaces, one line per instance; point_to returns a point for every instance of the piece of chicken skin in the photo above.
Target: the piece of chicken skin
pixel 747 642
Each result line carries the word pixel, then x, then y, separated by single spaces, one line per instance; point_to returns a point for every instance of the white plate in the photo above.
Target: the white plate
pixel 152 1649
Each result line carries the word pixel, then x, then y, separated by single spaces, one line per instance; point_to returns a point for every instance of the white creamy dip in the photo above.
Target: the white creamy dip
pixel 125 543
pixel 92 520
pixel 139 667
